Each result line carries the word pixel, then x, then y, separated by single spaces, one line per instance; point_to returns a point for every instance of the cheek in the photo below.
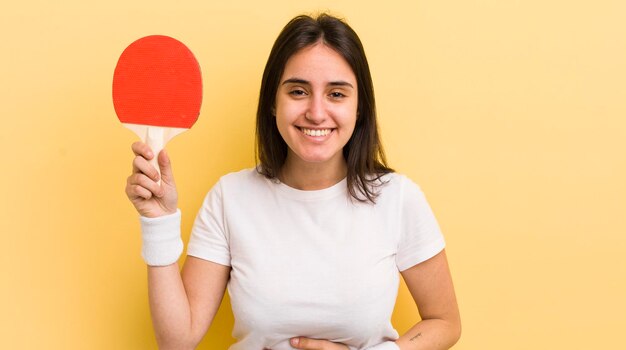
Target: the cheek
pixel 284 122
pixel 286 118
pixel 281 124
pixel 347 115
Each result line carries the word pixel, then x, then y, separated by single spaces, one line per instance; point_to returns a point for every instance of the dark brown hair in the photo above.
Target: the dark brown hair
pixel 363 153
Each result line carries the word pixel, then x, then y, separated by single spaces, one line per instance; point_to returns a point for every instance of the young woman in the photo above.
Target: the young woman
pixel 309 242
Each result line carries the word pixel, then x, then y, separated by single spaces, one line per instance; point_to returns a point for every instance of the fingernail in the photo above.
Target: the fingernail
pixel 295 341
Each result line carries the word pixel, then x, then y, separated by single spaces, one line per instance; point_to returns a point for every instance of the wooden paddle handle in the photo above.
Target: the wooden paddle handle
pixel 155 138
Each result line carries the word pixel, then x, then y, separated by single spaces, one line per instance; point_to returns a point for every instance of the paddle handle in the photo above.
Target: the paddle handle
pixel 155 139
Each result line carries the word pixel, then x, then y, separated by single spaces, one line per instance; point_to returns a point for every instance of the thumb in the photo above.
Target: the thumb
pixel 165 165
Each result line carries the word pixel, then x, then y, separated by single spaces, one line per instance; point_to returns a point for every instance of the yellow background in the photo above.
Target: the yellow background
pixel 510 114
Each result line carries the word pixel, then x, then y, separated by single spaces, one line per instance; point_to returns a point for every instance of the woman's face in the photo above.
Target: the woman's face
pixel 316 105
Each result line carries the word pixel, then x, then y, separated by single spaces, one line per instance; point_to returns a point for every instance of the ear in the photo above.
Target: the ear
pixel 273 111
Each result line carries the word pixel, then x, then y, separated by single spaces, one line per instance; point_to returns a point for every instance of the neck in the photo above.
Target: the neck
pixel 312 176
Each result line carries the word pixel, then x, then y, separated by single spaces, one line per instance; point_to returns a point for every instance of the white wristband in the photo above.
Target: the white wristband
pixel 388 345
pixel 162 244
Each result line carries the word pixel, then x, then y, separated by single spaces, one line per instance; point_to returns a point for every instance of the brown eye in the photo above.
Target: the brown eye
pixel 297 92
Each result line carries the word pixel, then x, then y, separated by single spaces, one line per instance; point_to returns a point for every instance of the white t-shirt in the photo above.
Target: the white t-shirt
pixel 313 263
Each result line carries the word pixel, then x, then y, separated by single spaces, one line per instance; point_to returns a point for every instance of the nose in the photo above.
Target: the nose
pixel 316 111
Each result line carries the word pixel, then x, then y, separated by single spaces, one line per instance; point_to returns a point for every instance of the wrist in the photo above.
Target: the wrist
pixel 161 241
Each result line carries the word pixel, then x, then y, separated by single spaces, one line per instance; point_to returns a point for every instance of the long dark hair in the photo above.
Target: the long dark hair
pixel 364 152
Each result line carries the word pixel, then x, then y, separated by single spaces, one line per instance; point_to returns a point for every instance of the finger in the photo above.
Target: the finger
pixel 142 149
pixel 167 175
pixel 307 343
pixel 135 192
pixel 138 181
pixel 142 165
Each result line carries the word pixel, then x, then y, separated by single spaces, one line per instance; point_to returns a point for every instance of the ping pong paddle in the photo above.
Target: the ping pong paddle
pixel 157 90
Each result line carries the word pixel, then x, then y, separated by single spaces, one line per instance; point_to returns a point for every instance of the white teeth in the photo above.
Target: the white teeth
pixel 317 132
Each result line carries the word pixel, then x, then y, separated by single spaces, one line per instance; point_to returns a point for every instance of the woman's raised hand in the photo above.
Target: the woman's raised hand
pixel 150 198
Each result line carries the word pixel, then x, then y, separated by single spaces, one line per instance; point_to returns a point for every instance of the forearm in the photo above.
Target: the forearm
pixel 169 308
pixel 430 284
pixel 169 304
pixel 430 334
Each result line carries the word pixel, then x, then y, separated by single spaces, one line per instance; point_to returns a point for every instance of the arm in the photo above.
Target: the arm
pixel 182 307
pixel 430 284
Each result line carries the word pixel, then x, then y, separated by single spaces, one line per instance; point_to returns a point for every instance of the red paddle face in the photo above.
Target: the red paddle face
pixel 157 81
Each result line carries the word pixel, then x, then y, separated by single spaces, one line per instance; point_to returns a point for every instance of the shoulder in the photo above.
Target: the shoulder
pixel 241 176
pixel 242 182
pixel 234 186
pixel 399 192
pixel 397 184
pixel 238 178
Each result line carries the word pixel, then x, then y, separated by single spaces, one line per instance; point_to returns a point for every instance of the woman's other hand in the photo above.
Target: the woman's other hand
pixel 150 198
pixel 316 344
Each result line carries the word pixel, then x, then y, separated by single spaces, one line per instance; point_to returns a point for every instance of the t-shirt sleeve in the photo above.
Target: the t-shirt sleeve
pixel 420 236
pixel 209 238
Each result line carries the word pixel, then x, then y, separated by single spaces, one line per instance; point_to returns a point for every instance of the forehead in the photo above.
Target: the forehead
pixel 318 63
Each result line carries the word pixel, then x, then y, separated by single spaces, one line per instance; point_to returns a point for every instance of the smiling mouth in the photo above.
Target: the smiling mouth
pixel 315 132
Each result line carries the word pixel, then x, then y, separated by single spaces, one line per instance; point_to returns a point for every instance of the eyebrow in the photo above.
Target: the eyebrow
pixel 306 82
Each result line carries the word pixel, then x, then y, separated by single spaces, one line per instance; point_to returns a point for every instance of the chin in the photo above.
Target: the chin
pixel 316 158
